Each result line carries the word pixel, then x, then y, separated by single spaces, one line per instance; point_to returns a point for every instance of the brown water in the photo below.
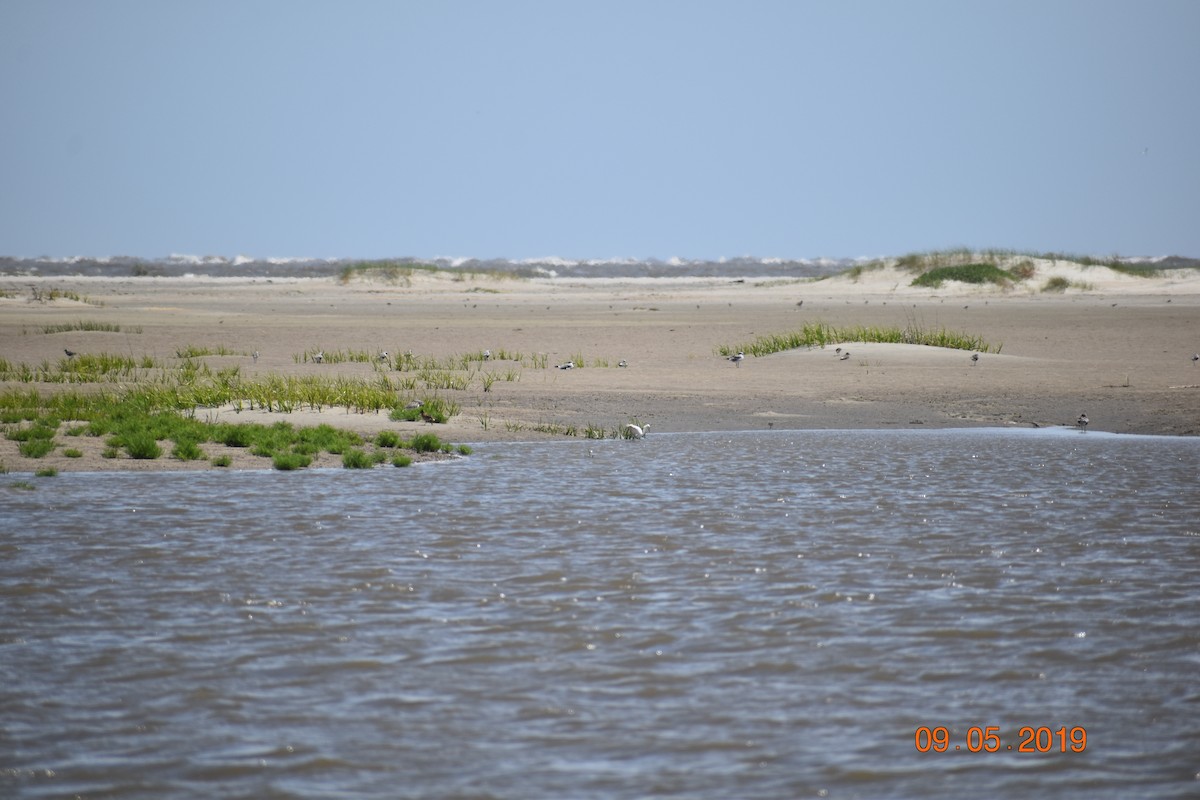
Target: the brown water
pixel 760 615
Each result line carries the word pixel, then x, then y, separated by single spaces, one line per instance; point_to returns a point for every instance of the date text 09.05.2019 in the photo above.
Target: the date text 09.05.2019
pixel 1030 739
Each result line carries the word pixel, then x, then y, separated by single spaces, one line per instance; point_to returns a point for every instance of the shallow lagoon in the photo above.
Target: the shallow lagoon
pixel 696 615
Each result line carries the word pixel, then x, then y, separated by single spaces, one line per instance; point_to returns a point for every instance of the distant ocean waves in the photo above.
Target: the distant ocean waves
pixel 243 266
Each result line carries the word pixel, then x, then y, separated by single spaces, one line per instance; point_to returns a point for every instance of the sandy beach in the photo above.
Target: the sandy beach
pixel 1115 346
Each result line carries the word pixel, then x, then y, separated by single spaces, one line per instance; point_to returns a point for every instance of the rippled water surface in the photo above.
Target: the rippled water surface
pixel 766 615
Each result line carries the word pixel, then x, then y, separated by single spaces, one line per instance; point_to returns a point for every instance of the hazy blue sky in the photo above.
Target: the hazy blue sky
pixel 614 128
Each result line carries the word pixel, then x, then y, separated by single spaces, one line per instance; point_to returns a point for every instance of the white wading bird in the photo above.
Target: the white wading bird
pixel 636 432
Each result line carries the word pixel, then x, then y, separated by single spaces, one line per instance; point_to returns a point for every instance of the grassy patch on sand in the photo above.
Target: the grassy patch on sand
pixel 135 425
pixel 978 272
pixel 819 334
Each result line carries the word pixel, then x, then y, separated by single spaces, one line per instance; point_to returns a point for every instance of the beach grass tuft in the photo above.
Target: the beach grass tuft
pixel 820 334
pixel 83 325
pixel 355 458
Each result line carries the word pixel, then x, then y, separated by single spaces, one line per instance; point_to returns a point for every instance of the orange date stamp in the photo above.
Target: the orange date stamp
pixel 986 739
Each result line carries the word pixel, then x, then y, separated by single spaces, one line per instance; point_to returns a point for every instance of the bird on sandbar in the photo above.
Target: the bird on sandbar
pixel 70 353
pixel 255 356
pixel 427 418
pixel 567 365
pixel 319 357
pixel 636 431
pixel 622 363
pixel 1082 422
pixel 974 359
pixel 487 355
pixel 1195 358
pixel 737 360
pixel 844 356
pixel 384 356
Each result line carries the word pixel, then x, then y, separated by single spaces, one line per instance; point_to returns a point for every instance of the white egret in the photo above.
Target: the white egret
pixel 636 431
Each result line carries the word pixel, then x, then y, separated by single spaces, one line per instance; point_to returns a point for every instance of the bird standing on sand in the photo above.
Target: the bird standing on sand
pixel 70 353
pixel 487 355
pixel 427 418
pixel 319 357
pixel 622 363
pixel 974 359
pixel 636 431
pixel 1195 358
pixel 737 360
pixel 255 356
pixel 844 356
pixel 1082 422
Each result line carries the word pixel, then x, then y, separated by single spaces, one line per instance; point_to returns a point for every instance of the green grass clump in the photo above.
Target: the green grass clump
pixel 357 459
pixel 387 439
pixel 46 472
pixel 187 450
pixel 222 461
pixel 71 452
pixel 140 445
pixel 425 443
pixel 965 273
pixel 1056 284
pixel 35 448
pixel 401 460
pixel 290 461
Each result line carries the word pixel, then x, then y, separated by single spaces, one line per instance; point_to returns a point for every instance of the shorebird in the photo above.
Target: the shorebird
pixel 319 357
pixel 384 356
pixel 427 418
pixel 622 363
pixel 838 351
pixel 974 359
pixel 487 355
pixel 1082 422
pixel 255 356
pixel 844 356
pixel 1195 357
pixel 737 360
pixel 70 353
pixel 567 365
pixel 636 432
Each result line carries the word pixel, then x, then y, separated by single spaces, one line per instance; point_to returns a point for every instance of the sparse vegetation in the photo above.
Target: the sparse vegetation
pixel 139 421
pixel 819 334
pixel 84 325
pixel 965 273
